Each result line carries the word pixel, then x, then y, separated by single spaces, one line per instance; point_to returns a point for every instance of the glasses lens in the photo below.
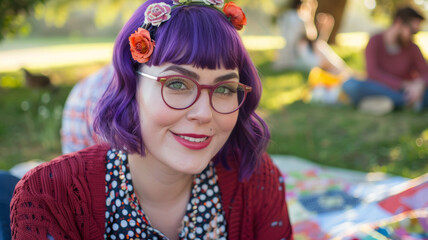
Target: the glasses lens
pixel 228 97
pixel 179 92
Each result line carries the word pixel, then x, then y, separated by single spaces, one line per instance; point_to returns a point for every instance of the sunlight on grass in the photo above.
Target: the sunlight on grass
pixel 257 43
pixel 279 91
pixel 55 56
pixel 283 98
pixel 354 39
pixel 10 82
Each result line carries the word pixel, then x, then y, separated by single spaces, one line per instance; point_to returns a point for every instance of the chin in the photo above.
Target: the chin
pixel 191 170
pixel 192 166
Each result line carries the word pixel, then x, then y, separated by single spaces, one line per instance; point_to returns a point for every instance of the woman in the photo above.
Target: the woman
pixel 183 156
pixel 306 48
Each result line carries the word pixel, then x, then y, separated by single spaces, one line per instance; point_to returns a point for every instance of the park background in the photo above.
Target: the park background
pixel 68 40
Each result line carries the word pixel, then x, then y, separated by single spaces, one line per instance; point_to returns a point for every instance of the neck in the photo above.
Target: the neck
pixel 391 35
pixel 157 184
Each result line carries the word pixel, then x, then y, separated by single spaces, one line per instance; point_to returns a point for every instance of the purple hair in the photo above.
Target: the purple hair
pixel 196 35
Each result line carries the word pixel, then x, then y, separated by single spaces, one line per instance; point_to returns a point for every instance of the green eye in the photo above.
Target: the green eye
pixel 176 85
pixel 226 89
pixel 222 89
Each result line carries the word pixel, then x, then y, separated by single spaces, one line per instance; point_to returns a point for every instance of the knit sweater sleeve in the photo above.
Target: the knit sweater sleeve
pixel 267 191
pixel 55 199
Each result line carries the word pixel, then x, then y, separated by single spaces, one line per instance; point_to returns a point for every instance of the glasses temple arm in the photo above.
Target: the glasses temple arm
pixel 147 75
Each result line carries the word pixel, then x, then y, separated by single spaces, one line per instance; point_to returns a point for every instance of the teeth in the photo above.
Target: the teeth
pixel 190 139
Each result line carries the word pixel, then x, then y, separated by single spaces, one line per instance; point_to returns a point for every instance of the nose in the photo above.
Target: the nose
pixel 201 110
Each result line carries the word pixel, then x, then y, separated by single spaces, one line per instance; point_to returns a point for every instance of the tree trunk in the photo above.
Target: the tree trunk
pixel 336 8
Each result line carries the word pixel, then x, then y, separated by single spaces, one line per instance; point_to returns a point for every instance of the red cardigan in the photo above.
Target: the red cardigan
pixel 66 198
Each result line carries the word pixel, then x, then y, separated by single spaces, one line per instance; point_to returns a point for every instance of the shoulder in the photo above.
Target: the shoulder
pixel 59 194
pixel 259 202
pixel 291 16
pixel 376 38
pixel 266 170
pixel 414 47
pixel 82 160
pixel 52 178
pixel 266 177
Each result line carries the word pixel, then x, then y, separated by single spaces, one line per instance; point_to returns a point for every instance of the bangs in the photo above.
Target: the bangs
pixel 198 36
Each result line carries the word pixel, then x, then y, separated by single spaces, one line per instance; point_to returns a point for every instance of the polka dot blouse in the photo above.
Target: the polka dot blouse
pixel 125 219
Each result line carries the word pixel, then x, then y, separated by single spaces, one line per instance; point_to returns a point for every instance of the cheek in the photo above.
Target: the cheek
pixel 228 122
pixel 156 116
pixel 152 110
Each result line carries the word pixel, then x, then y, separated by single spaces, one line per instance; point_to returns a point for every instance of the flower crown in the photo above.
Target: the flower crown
pixel 142 44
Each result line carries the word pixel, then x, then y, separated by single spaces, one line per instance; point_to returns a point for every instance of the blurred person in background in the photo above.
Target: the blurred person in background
pixel 397 73
pixel 8 182
pixel 182 152
pixel 306 47
pixel 77 130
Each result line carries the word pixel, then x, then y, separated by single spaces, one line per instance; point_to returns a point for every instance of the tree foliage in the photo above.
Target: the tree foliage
pixel 106 12
pixel 387 8
pixel 13 14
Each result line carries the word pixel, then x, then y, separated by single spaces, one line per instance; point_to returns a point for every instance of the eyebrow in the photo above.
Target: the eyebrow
pixel 183 71
pixel 226 77
pixel 194 75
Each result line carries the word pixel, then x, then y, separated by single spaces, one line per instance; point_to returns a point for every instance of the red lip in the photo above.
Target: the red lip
pixel 193 145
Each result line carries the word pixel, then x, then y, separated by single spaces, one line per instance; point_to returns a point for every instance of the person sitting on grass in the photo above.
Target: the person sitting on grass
pixel 396 69
pixel 183 153
pixel 306 48
pixel 77 130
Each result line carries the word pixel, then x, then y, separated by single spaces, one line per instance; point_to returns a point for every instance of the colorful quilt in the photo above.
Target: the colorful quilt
pixel 332 203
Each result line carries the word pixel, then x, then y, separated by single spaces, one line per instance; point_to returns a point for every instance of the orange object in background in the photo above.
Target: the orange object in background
pixel 317 77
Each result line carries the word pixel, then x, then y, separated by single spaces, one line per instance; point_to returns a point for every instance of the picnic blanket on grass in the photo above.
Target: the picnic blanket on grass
pixel 333 203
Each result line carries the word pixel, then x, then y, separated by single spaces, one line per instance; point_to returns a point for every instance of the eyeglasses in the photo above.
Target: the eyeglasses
pixel 180 92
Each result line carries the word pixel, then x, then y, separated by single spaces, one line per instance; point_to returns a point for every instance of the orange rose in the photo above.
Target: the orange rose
pixel 235 15
pixel 141 45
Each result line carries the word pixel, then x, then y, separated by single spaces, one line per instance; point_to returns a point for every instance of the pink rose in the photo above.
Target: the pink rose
pixel 157 13
pixel 217 3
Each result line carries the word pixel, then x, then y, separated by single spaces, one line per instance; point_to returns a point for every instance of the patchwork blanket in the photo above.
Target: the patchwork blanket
pixel 332 203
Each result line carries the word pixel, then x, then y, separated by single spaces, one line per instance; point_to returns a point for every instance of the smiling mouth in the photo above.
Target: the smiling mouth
pixel 192 139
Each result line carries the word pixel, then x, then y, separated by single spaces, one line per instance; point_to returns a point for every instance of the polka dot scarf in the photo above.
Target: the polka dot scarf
pixel 125 219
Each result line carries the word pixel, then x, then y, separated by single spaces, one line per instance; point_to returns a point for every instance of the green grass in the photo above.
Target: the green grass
pixel 337 136
pixel 30 123
pixel 342 137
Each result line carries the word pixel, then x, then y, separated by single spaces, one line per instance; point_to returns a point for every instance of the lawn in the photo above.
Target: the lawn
pixel 333 135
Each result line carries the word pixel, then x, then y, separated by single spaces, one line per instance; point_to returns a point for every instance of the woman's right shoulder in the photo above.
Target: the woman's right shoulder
pixel 94 155
pixel 50 192
pixel 62 170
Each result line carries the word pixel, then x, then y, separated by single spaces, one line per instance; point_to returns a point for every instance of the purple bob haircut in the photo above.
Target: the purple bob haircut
pixel 200 36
